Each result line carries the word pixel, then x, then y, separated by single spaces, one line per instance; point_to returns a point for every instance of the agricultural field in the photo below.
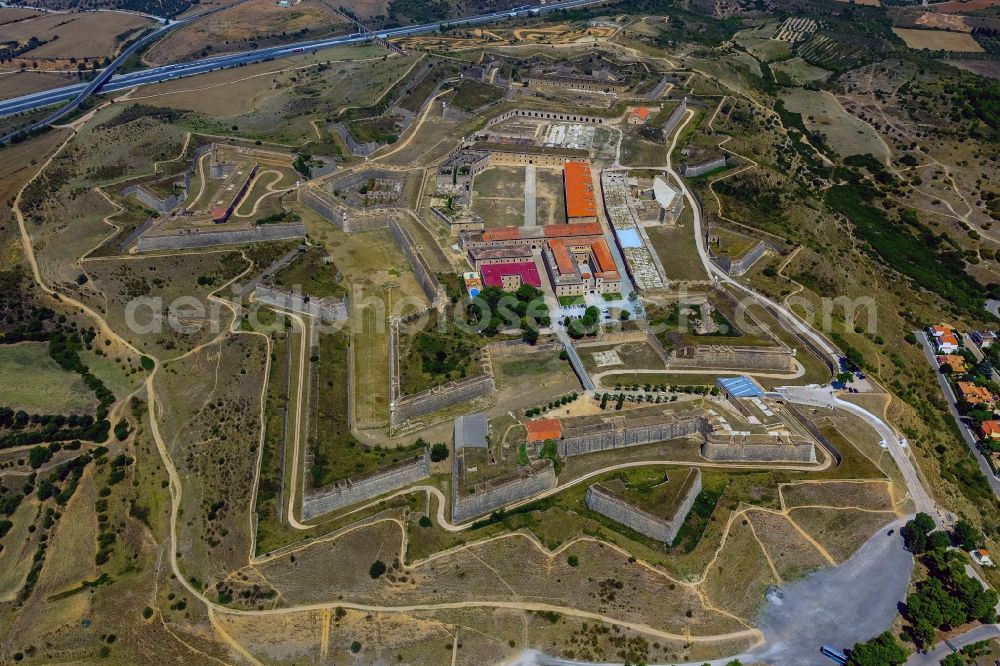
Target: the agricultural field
pixel 938 40
pixel 83 36
pixel 257 22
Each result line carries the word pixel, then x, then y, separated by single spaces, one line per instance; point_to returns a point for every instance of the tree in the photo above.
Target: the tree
pixel 377 569
pixel 938 539
pixel 968 535
pixel 883 650
pixel 439 452
pixel 953 660
pixel 425 521
pixel 529 334
pixel 915 533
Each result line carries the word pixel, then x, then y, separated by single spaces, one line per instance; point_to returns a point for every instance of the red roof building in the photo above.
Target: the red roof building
pixel 510 277
pixel 579 186
pixel 543 429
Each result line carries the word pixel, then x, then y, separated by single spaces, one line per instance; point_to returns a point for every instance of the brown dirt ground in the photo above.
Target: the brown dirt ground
pixel 90 35
pixel 254 19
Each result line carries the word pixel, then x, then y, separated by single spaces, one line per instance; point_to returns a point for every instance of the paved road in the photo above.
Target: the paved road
pixel 941 650
pixel 109 83
pixel 840 606
pixel 82 91
pixel 812 611
pixel 824 396
pixel 949 396
pixel 993 306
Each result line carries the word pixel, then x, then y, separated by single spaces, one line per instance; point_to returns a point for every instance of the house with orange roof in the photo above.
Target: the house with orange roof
pixel 990 429
pixel 946 343
pixel 543 429
pixel 953 361
pixel 974 394
pixel 638 115
pixel 937 330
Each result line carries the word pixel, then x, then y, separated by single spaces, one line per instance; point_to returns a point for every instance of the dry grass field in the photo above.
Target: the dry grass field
pixel 164 326
pixel 789 550
pixel 845 133
pixel 31 380
pixel 211 428
pixel 15 84
pixel 840 531
pixel 737 579
pixel 85 35
pixel 256 21
pixel 938 40
pixel 872 496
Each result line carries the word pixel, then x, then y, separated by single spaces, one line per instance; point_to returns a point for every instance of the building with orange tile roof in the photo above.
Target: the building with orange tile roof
pixel 974 394
pixel 946 343
pixel 577 266
pixel 543 429
pixel 940 329
pixel 956 363
pixel 578 184
pixel 990 429
pixel 638 115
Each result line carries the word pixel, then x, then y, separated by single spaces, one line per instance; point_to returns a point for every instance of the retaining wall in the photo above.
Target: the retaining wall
pixel 661 528
pixel 548 115
pixel 727 450
pixel 743 264
pixel 146 197
pixel 733 358
pixel 517 348
pixel 695 170
pixel 356 489
pixel 613 435
pixel 346 221
pixel 490 496
pixel 440 397
pixel 320 308
pixel 258 234
pixel 425 276
pixel 675 117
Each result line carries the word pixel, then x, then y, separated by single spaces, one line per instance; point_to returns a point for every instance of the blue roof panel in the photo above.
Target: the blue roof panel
pixel 741 387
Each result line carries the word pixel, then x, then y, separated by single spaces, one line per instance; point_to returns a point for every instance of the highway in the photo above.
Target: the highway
pixel 108 82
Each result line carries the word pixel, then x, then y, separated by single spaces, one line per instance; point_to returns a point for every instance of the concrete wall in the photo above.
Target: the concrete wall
pixel 346 220
pixel 746 262
pixel 440 397
pixel 719 449
pixel 675 117
pixel 149 199
pixel 490 496
pixel 695 170
pixel 661 528
pixel 548 115
pixel 733 358
pixel 356 489
pixel 320 308
pixel 428 282
pixel 617 436
pixel 258 234
pixel 518 348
